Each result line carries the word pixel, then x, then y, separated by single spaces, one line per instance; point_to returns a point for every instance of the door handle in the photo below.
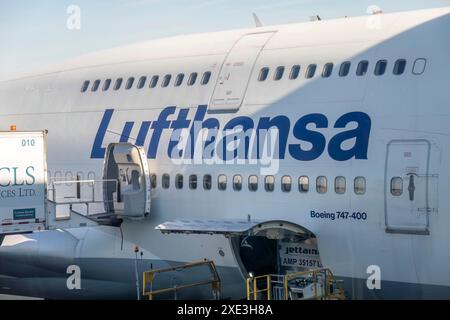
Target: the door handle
pixel 411 187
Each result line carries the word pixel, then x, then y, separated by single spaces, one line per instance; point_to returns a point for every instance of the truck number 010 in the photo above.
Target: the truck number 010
pixel 28 142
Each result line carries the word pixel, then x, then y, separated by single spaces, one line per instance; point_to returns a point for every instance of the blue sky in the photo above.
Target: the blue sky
pixel 34 33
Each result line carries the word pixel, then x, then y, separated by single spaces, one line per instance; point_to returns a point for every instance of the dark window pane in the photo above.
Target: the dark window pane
pixel 129 83
pixel 141 82
pixel 192 78
pixel 278 73
pixel 179 80
pixel 327 70
pixel 263 74
pixel 311 71
pixel 85 86
pixel 206 77
pixel 118 84
pixel 154 81
pixel 380 67
pixel 107 84
pixel 207 182
pixel 295 71
pixel 363 66
pixel 95 85
pixel 399 66
pixel 166 80
pixel 345 69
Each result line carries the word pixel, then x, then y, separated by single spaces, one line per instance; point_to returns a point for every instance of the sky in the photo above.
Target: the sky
pixel 35 33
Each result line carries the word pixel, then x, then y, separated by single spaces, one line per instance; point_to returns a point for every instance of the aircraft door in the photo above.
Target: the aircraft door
pixel 126 186
pixel 236 70
pixel 407 186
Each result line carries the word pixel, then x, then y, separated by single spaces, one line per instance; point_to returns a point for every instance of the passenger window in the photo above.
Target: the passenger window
pixel 278 73
pixel 327 70
pixel 85 86
pixel 193 181
pixel 360 185
pixel 396 186
pixel 419 66
pixel 295 71
pixel 118 84
pixel 166 80
pixel 165 181
pixel 363 66
pixel 95 85
pixel 154 81
pixel 252 183
pixel 205 78
pixel 344 69
pixel 179 80
pixel 311 71
pixel 222 182
pixel 269 183
pixel 141 82
pixel 153 181
pixel 237 182
pixel 399 66
pixel 303 184
pixel 321 184
pixel 339 185
pixel 192 79
pixel 129 83
pixel 207 182
pixel 179 181
pixel 263 74
pixel 106 85
pixel 380 67
pixel 286 184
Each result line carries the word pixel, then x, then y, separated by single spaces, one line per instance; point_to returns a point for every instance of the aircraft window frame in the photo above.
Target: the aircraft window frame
pixel 237 182
pixel 154 82
pixel 415 70
pixel 192 79
pixel 295 72
pixel 321 184
pixel 153 181
pixel 269 186
pixel 118 84
pixel 179 181
pixel 253 185
pixel 207 182
pixel 106 84
pixel 279 72
pixel 141 82
pixel 303 184
pixel 165 181
pixel 359 190
pixel 344 69
pixel 85 86
pixel 286 183
pixel 166 81
pixel 129 83
pixel 363 68
pixel 95 85
pixel 263 74
pixel 193 182
pixel 377 70
pixel 396 191
pixel 179 80
pixel 399 62
pixel 327 70
pixel 311 71
pixel 205 78
pixel 340 185
pixel 222 181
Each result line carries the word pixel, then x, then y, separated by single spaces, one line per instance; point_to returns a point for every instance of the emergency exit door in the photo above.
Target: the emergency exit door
pixel 235 73
pixel 407 180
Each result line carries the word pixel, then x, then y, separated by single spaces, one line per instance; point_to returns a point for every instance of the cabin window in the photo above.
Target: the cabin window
pixel 419 66
pixel 396 186
pixel 263 74
pixel 286 184
pixel 165 181
pixel 321 184
pixel 344 69
pixel 95 85
pixel 154 81
pixel 311 71
pixel 205 78
pixel 303 184
pixel 192 78
pixel 129 83
pixel 153 181
pixel 327 70
pixel 380 67
pixel 222 182
pixel 363 66
pixel 179 181
pixel 295 71
pixel 118 84
pixel 360 185
pixel 269 183
pixel 166 80
pixel 253 183
pixel 278 73
pixel 399 66
pixel 85 86
pixel 207 182
pixel 237 182
pixel 141 82
pixel 339 185
pixel 193 181
pixel 179 79
pixel 106 85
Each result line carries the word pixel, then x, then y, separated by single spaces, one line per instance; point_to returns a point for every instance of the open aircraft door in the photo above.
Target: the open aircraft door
pixel 126 185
